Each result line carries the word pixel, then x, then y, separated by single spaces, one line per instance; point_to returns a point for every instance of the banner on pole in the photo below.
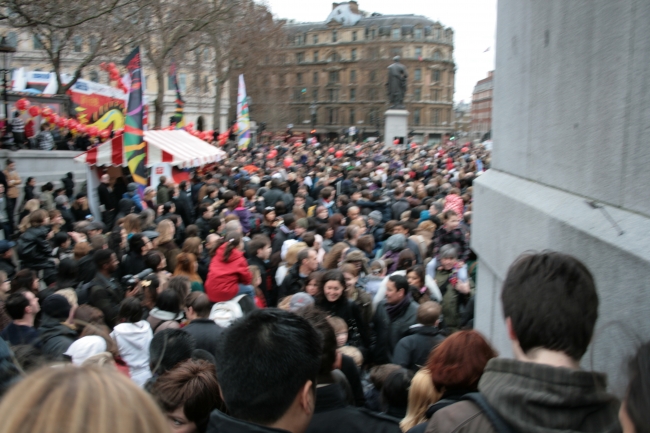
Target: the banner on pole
pixel 135 148
pixel 243 117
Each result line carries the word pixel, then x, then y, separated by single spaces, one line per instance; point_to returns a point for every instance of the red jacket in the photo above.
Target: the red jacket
pixel 224 279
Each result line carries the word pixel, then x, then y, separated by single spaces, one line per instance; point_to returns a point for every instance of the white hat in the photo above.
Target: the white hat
pixel 85 347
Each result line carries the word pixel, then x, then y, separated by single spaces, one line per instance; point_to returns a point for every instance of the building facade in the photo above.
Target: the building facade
pixel 332 75
pixel 482 107
pixel 462 119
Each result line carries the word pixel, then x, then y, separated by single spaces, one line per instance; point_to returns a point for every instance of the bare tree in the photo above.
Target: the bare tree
pixel 56 14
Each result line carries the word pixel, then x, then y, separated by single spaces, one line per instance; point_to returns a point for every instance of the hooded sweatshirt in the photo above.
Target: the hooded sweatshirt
pixel 133 340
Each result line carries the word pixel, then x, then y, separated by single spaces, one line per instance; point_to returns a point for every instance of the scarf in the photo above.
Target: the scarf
pixel 394 311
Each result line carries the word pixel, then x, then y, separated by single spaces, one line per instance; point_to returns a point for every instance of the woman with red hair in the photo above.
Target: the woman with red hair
pixel 456 366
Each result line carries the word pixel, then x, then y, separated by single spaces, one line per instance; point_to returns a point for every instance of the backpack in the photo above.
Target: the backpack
pixel 224 313
pixel 500 425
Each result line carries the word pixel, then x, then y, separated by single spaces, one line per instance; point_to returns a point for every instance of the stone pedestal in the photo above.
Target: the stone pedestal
pixel 396 126
pixel 570 126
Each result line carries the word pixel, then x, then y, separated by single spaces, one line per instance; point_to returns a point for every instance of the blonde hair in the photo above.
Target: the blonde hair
pixel 70 295
pixel 78 400
pixel 353 353
pixel 358 223
pixel 185 267
pixel 292 253
pixel 165 231
pixel 131 223
pixel 422 394
pixel 191 245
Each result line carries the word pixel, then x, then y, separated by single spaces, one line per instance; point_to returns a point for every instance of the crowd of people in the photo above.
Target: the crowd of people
pixel 295 288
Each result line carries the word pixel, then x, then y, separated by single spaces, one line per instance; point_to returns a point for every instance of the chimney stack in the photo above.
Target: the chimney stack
pixel 354 7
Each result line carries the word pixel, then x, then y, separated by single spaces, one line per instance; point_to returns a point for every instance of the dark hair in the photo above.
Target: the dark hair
pixel 366 243
pixel 181 285
pixel 419 271
pixel 401 283
pixel 405 259
pixel 232 241
pixel 169 347
pixel 395 392
pixel 68 273
pixel 203 209
pixel 200 303
pixel 303 255
pixel 458 362
pixel 637 396
pixel 102 257
pixel 191 385
pixel 168 300
pixel 264 341
pixel 24 279
pixel 318 319
pixel 130 310
pixel 47 187
pixel 552 302
pixel 257 243
pixel 191 231
pixel 428 313
pixel 309 238
pixel 153 259
pixel 16 304
pixel 214 223
pixel 136 243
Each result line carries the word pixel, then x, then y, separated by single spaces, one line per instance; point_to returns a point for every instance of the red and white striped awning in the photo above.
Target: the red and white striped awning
pixel 175 147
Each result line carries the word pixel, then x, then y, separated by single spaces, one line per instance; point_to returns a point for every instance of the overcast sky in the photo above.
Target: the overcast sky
pixel 473 21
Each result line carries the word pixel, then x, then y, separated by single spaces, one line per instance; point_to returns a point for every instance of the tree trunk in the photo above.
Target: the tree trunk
pixel 216 113
pixel 159 103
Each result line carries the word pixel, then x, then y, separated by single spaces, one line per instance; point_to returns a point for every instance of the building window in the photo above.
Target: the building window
pixel 353 95
pixel 417 94
pixel 94 76
pixel 373 76
pixel 435 75
pixel 353 116
pixel 353 54
pixel 334 76
pixel 435 116
pixel 314 94
pixel 418 52
pixel 315 56
pixel 78 43
pixel 316 38
pixel 418 75
pixel 93 44
pixel 354 36
pixel 299 78
pixel 333 57
pixel 206 85
pixel 438 33
pixel 373 53
pixel 315 79
pixel 333 116
pixel 12 39
pixel 436 55
pixel 335 36
pixel 300 57
pixel 397 51
pixel 396 34
pixel 282 79
pixel 436 95
pixel 372 94
pixel 38 45
pixel 182 82
pixel 333 95
pixel 417 34
pixel 416 117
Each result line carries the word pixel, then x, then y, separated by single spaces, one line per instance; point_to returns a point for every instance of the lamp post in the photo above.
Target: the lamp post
pixel 6 56
pixel 312 111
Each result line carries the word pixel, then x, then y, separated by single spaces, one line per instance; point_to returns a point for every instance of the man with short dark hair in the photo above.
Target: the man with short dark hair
pixel 203 221
pixel 400 205
pixel 168 347
pixel 413 350
pixel 273 356
pixel 22 306
pixel 394 316
pixel 259 253
pixel 87 268
pixel 7 264
pixel 294 281
pixel 206 332
pixel 55 334
pixel 550 305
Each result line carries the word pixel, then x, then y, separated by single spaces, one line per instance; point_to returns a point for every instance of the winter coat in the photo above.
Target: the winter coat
pixel 537 398
pixel 268 286
pixel 135 197
pixel 292 283
pixel 220 423
pixel 389 332
pixel 282 234
pixel 133 341
pixel 12 191
pixel 399 207
pixel 454 237
pixel 454 202
pixel 224 278
pixel 206 333
pixel 68 184
pixel 47 200
pixel 272 196
pixel 105 295
pixel 56 337
pixel 358 333
pixel 331 413
pixel 413 350
pixel 244 216
pixel 8 267
pixel 184 207
pixel 162 195
pixel 34 250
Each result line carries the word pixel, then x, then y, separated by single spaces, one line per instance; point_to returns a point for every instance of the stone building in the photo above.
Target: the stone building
pixel 482 106
pixel 332 75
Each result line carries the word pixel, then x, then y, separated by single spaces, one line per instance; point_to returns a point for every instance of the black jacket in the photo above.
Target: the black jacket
pixel 106 295
pixel 413 350
pixel 8 267
pixel 106 197
pixel 222 423
pixel 388 332
pixel 204 227
pixel 184 207
pixel 132 264
pixel 34 250
pixel 331 414
pixel 67 217
pixel 206 333
pixel 268 286
pixel 279 238
pixel 358 334
pixel 87 268
pixel 55 337
pixel 272 196
pixel 68 184
pixel 292 283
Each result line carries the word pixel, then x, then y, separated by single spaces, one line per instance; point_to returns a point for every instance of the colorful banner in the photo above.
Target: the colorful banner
pixel 243 118
pixel 178 118
pixel 135 148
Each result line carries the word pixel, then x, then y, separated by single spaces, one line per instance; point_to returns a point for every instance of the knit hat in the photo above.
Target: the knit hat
pixel 354 256
pixel 60 200
pixel 300 300
pixel 396 243
pixel 56 306
pixel 376 216
pixel 132 187
pixel 6 245
pixel 302 223
pixel 415 214
pixel 85 347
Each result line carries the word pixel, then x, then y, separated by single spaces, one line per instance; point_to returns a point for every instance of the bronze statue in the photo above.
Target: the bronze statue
pixel 396 83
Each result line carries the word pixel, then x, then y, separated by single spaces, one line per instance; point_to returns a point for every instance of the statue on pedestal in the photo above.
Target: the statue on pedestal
pixel 396 84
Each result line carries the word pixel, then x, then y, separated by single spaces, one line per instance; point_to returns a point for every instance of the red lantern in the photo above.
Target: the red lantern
pixel 288 161
pixel 61 123
pixel 22 104
pixel 464 149
pixel 93 131
pixel 331 150
pixel 34 111
pixel 47 112
pixel 396 142
pixel 339 154
pixel 104 134
pixel 414 145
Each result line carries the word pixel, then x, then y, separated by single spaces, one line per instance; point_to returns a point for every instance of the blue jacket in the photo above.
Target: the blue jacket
pixel 137 201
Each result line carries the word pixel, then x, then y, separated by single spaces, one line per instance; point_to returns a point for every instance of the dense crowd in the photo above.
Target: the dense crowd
pixel 299 288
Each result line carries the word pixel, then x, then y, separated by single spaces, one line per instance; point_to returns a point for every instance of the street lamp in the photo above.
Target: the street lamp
pixel 6 56
pixel 312 110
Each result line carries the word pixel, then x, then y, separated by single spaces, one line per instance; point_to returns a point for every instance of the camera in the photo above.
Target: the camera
pixel 129 281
